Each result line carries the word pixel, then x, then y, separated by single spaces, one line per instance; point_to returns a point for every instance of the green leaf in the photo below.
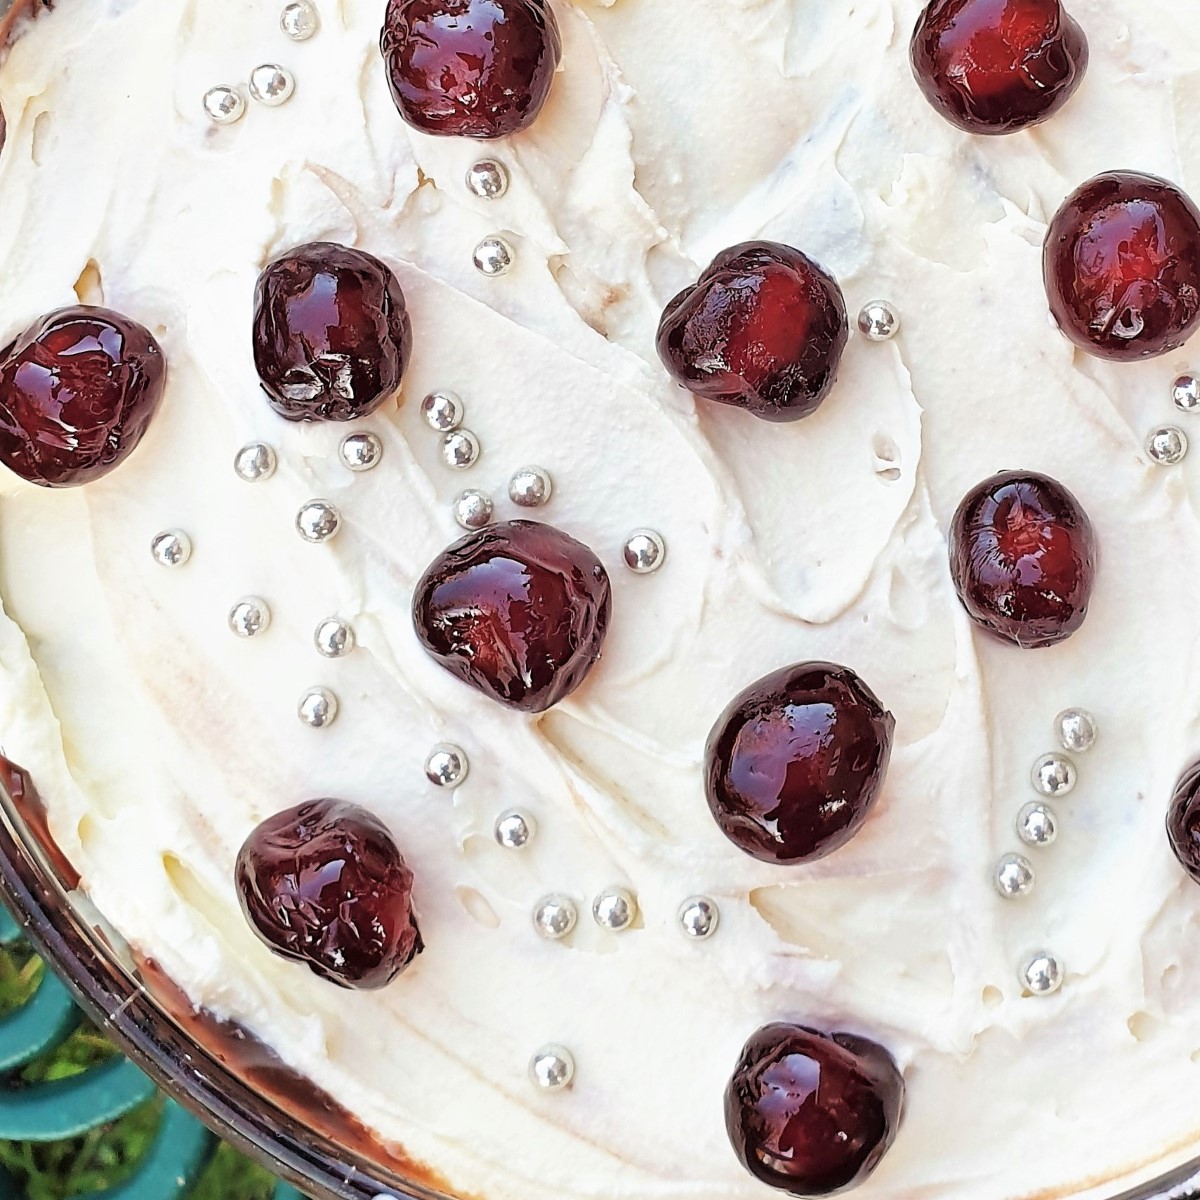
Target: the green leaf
pixel 109 1154
pixel 232 1176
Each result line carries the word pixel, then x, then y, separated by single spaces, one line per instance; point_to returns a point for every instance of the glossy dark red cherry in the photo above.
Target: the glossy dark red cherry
pixel 470 68
pixel 763 329
pixel 812 1113
pixel 996 66
pixel 324 884
pixel 331 333
pixel 1122 266
pixel 1183 821
pixel 795 763
pixel 78 390
pixel 518 610
pixel 1023 557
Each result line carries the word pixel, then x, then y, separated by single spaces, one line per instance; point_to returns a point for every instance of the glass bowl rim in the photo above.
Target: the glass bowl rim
pixel 85 954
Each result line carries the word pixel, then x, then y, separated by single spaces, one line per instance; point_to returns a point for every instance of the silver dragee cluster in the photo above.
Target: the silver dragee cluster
pixel 316 521
pixel 1053 775
pixel 270 84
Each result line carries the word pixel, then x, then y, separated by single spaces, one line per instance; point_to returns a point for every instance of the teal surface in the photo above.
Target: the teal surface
pixel 67 1108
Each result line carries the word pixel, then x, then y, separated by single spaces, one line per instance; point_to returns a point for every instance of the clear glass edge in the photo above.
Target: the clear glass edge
pixel 109 991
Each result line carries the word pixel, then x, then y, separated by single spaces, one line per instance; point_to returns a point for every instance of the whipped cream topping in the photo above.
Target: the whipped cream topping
pixel 675 128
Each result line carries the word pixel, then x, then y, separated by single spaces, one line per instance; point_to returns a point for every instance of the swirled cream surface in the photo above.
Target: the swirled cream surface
pixel 675 128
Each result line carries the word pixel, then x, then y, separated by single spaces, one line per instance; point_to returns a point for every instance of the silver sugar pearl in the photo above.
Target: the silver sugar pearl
pixel 318 707
pixel 493 256
pixel 514 830
pixel 171 548
pixel 299 20
pixel 460 449
pixel 447 765
pixel 614 909
pixel 1053 775
pixel 360 451
pixel 1075 730
pixel 1167 446
pixel 1013 876
pixel 272 84
pixel 878 321
pixel 555 916
pixel 249 617
pixel 1041 974
pixel 255 462
pixel 443 411
pixel 224 105
pixel 318 521
pixel 530 487
pixel 1185 391
pixel 1037 824
pixel 333 638
pixel 473 509
pixel 552 1068
pixel 644 551
pixel 699 917
pixel 487 179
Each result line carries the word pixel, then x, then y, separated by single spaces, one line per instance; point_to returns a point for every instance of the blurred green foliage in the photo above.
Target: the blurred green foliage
pixel 106 1155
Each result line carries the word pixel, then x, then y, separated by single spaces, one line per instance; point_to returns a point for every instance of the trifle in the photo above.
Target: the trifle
pixel 614 581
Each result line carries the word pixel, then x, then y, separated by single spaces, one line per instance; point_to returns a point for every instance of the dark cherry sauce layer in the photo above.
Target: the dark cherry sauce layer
pixel 996 66
pixel 1023 557
pixel 20 787
pixel 812 1113
pixel 332 335
pixel 470 68
pixel 1122 266
pixel 324 884
pixel 519 611
pixel 245 1072
pixel 795 763
pixel 762 329
pixel 78 390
